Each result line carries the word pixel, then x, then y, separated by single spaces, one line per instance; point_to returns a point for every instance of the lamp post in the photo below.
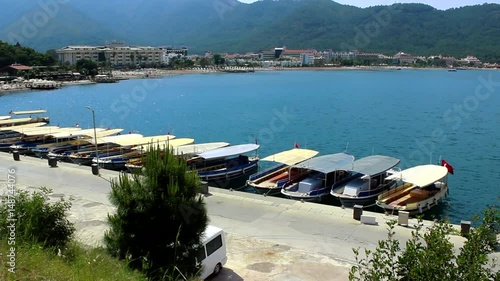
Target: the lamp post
pixel 95 138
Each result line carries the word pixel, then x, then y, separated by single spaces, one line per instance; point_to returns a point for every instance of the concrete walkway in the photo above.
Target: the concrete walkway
pixel 269 238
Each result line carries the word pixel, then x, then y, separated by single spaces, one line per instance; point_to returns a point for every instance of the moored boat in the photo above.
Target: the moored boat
pixel 366 181
pixel 418 190
pixel 271 180
pixel 219 166
pixel 312 179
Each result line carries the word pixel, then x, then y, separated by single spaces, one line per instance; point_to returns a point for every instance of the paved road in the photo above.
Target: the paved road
pixel 269 238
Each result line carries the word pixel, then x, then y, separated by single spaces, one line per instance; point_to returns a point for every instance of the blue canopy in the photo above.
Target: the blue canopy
pixel 328 163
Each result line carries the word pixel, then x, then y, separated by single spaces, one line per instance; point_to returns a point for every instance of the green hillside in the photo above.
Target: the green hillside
pixel 227 25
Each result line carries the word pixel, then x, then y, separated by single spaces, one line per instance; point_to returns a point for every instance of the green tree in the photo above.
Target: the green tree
pixel 218 60
pixel 429 255
pixel 88 67
pixel 160 218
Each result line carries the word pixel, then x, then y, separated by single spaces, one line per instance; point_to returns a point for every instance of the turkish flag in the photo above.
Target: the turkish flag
pixel 448 166
pixel 296 145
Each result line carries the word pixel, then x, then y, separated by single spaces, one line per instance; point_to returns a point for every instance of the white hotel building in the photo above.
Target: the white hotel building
pixel 117 53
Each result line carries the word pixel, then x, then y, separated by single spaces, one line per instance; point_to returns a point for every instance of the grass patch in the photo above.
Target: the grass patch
pixel 75 262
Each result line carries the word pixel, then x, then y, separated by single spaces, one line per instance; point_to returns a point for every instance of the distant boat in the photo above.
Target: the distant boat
pixel 419 189
pixel 271 180
pixel 312 179
pixel 452 70
pixel 366 181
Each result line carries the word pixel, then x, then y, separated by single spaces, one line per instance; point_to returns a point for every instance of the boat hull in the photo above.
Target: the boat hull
pixel 222 178
pixel 418 207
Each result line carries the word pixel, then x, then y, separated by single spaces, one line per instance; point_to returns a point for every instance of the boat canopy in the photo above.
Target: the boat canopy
pixel 24 112
pixel 5 117
pixel 15 121
pixel 374 165
pixel 139 141
pixel 49 131
pixel 69 134
pixel 25 127
pixel 292 156
pixel 108 132
pixel 229 151
pixel 328 163
pixel 422 175
pixel 171 143
pixel 21 127
pixel 115 139
pixel 193 149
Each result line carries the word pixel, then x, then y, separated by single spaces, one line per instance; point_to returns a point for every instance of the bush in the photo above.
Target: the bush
pixel 34 219
pixel 159 218
pixel 430 256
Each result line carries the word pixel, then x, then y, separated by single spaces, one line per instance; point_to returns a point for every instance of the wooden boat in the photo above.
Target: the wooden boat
pixel 313 179
pixel 33 138
pixel 180 148
pixel 419 189
pixel 219 166
pixel 272 179
pixel 366 181
pixel 106 146
pixel 118 162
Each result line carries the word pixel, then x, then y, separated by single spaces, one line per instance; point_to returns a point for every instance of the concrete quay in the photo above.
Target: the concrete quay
pixel 269 238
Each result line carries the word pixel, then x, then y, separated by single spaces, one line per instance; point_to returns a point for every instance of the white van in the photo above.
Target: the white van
pixel 213 255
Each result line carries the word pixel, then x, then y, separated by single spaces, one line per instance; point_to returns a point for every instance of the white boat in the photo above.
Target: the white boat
pixel 194 149
pixel 271 180
pixel 365 181
pixel 180 147
pixel 218 166
pixel 419 189
pixel 312 179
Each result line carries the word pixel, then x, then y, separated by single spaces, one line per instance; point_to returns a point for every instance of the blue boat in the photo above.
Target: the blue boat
pixel 313 179
pixel 219 166
pixel 365 181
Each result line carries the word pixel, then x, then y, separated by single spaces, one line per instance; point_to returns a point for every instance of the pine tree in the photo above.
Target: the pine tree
pixel 160 218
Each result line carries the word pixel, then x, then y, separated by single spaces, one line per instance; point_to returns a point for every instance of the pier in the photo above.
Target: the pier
pixel 269 238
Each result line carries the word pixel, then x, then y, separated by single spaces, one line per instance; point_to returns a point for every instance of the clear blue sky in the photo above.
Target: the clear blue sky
pixel 439 4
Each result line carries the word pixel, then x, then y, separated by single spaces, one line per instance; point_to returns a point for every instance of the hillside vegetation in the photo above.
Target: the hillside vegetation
pixel 228 25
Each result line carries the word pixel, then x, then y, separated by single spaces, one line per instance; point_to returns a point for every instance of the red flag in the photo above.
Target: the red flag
pixel 296 145
pixel 168 133
pixel 448 166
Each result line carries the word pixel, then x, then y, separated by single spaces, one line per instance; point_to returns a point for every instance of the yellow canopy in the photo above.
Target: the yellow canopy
pixel 292 156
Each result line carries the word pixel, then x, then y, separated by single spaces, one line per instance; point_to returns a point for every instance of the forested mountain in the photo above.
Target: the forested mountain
pixel 228 25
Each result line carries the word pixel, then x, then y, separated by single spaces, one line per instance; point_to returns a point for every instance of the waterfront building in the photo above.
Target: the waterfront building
pixel 471 60
pixel 404 58
pixel 117 53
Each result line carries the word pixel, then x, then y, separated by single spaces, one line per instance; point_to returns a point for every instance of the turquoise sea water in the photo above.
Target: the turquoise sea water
pixel 415 115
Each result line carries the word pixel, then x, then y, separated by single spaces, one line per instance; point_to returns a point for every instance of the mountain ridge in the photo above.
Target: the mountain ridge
pixel 228 25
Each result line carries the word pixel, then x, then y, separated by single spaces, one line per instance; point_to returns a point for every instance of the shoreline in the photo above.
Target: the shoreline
pixel 160 73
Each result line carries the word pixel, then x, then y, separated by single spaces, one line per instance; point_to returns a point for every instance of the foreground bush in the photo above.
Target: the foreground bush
pixel 31 218
pixel 159 218
pixel 429 255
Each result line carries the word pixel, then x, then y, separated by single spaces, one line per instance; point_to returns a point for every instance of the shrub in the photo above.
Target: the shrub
pixel 429 255
pixel 34 219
